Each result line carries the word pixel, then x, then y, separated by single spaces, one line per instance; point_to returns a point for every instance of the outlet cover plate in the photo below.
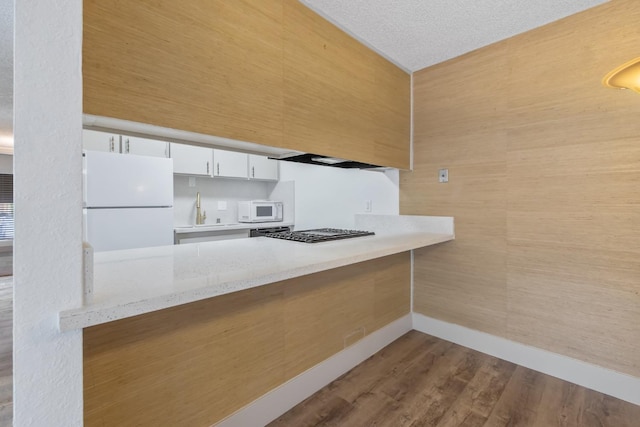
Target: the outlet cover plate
pixel 443 175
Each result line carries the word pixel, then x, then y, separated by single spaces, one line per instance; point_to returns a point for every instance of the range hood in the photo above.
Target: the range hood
pixel 320 160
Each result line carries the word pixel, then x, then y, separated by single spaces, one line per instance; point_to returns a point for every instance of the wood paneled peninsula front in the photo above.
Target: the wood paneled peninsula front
pixel 204 329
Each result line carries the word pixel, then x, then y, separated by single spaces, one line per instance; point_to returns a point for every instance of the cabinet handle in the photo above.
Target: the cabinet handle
pixel 218 168
pixel 253 171
pixel 112 145
pixel 126 146
pixel 207 168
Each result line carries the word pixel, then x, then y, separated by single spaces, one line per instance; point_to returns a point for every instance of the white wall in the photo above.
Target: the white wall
pixel 6 163
pixel 48 204
pixel 324 196
pixel 330 197
pixel 212 191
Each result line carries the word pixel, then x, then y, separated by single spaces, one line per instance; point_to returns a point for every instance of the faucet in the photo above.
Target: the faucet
pixel 200 216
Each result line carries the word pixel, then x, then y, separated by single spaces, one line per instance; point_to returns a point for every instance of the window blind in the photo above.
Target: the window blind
pixel 6 207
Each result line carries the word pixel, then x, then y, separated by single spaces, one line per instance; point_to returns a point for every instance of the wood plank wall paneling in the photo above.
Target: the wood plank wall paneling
pixel 197 363
pixel 544 183
pixel 198 68
pixel 391 115
pixel 327 105
pixel 269 72
pixel 340 97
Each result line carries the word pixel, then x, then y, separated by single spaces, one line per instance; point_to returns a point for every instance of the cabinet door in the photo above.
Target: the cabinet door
pixel 230 164
pixel 144 146
pixel 218 85
pixel 94 140
pixel 210 236
pixel 191 160
pixel 261 167
pixel 356 109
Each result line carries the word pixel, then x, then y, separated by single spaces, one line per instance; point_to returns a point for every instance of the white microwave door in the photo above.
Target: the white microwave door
pixel 264 211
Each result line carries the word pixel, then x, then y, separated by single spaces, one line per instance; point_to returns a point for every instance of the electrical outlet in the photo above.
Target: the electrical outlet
pixel 222 205
pixel 368 206
pixel 443 175
pixel 192 181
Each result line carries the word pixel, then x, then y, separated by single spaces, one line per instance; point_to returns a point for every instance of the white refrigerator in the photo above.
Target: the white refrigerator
pixel 128 201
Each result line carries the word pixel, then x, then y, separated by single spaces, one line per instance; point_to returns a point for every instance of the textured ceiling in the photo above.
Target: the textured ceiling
pixel 412 33
pixel 415 34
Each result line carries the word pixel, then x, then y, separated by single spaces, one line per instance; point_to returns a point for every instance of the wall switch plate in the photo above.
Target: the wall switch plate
pixel 368 206
pixel 222 205
pixel 443 175
pixel 192 181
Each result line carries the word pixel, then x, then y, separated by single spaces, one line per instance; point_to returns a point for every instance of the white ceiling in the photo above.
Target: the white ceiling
pixel 415 34
pixel 412 33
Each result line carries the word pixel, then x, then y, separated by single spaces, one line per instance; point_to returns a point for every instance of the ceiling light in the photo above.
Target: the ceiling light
pixel 626 76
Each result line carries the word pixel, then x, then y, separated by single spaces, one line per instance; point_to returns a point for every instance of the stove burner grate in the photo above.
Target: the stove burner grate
pixel 319 235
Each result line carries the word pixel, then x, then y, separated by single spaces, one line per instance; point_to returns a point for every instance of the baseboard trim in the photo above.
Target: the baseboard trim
pixel 607 381
pixel 276 402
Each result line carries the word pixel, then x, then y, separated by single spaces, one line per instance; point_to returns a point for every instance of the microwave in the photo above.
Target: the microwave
pixel 259 211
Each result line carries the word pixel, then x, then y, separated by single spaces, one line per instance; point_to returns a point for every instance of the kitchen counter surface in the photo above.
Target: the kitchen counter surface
pixel 137 281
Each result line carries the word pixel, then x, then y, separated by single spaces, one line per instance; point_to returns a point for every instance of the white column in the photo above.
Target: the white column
pixel 48 200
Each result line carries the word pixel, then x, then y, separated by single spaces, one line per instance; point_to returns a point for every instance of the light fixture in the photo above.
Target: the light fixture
pixel 626 76
pixel 329 160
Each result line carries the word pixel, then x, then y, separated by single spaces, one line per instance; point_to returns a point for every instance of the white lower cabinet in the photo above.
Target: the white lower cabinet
pixel 261 167
pixel 209 236
pixel 191 160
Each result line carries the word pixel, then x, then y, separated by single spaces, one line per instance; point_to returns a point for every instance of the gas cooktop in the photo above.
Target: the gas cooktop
pixel 319 235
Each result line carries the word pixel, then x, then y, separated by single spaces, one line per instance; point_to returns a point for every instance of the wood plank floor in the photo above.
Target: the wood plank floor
pixel 420 380
pixel 6 352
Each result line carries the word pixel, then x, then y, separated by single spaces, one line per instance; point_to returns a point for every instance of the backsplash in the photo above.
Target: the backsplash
pixel 331 197
pixel 213 193
pixel 313 196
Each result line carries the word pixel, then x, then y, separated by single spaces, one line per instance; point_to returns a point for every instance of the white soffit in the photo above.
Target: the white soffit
pixel 415 34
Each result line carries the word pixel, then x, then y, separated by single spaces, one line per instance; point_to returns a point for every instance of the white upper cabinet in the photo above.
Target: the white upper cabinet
pixel 230 164
pixel 144 146
pixel 100 141
pixel 94 140
pixel 191 160
pixel 261 167
pixel 187 159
